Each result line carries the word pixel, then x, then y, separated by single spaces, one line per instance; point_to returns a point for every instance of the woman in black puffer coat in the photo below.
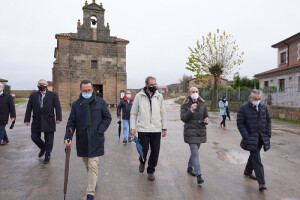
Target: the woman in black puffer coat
pixel 194 115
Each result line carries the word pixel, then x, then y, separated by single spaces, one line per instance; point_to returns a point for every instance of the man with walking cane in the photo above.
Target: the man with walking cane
pixel 90 118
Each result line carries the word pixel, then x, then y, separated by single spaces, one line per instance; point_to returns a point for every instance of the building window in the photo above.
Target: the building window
pixel 94 64
pixel 283 58
pixel 271 81
pixel 266 84
pixel 281 84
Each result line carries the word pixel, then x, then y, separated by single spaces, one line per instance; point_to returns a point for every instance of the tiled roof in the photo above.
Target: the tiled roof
pixel 278 70
pixel 207 76
pixel 49 83
pixel 287 41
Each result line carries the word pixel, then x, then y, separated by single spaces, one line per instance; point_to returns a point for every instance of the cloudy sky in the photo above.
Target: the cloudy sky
pixel 159 32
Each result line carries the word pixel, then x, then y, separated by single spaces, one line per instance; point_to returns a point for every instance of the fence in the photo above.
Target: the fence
pixel 231 95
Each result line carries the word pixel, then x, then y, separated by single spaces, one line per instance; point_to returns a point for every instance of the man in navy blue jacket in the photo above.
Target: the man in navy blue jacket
pixel 90 118
pixel 254 124
pixel 41 105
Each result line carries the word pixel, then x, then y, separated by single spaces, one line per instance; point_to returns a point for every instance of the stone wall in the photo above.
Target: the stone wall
pixel 288 113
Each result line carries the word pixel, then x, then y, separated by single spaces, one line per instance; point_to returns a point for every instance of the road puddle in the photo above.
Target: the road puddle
pixel 233 156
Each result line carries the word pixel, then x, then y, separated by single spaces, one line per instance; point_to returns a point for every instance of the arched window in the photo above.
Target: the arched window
pixel 93 22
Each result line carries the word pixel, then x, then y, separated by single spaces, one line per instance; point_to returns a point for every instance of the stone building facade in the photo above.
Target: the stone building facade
pixel 90 54
pixel 286 77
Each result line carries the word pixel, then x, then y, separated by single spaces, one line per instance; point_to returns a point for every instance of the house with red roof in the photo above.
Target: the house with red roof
pixel 286 76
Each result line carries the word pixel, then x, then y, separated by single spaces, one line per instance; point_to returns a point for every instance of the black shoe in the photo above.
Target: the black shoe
pixel 199 180
pixel 151 177
pixel 142 168
pixel 47 159
pixel 191 171
pixel 89 197
pixel 4 142
pixel 42 152
pixel 262 187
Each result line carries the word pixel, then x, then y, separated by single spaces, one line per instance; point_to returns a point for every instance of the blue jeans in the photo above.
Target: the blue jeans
pixel 3 135
pixel 126 124
pixel 194 158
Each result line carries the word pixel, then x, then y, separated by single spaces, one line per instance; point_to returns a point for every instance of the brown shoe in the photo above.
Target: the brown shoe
pixel 224 127
pixel 151 177
pixel 221 125
pixel 262 187
pixel 142 168
pixel 4 142
pixel 250 175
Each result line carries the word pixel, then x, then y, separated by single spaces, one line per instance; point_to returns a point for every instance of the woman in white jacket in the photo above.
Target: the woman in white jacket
pixel 223 104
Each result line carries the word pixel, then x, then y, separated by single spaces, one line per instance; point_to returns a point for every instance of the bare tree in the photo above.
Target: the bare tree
pixel 217 55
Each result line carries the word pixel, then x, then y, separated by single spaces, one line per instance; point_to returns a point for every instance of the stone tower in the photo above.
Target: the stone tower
pixel 91 54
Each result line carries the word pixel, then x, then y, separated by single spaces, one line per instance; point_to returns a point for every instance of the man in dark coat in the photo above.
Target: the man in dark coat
pixel 194 114
pixel 42 105
pixel 90 118
pixel 7 107
pixel 125 105
pixel 254 124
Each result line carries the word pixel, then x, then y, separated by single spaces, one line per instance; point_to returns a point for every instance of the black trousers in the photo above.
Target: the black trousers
pixel 153 139
pixel 254 163
pixel 47 145
pixel 224 119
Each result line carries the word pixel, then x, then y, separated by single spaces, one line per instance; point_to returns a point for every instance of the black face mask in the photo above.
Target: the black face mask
pixel 152 89
pixel 42 88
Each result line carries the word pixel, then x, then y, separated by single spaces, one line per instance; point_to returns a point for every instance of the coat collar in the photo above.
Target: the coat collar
pixel 156 93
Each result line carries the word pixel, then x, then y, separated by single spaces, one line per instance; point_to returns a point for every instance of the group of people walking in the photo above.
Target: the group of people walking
pixel 145 115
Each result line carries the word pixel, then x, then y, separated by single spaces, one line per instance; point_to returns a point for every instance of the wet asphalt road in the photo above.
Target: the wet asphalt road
pixel 24 176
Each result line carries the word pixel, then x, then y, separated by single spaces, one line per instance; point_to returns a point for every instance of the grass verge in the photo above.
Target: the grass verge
pixel 284 120
pixel 20 100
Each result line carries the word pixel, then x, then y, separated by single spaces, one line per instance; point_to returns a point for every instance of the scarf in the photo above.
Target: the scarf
pixel 86 113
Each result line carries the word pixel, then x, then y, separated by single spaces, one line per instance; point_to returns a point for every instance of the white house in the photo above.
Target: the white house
pixel 286 77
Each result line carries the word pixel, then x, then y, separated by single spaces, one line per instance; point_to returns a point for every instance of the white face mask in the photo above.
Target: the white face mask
pixel 128 96
pixel 195 96
pixel 255 103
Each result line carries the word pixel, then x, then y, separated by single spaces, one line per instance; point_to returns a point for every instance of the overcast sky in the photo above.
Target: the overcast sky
pixel 159 31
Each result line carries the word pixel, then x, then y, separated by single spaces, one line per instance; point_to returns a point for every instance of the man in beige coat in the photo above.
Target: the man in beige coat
pixel 148 118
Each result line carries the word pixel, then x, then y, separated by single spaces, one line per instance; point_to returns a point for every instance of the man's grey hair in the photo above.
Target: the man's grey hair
pixel 2 85
pixel 149 78
pixel 43 80
pixel 255 92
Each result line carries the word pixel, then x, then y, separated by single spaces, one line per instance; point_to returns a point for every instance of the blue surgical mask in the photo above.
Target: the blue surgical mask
pixel 128 96
pixel 86 96
pixel 0 89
